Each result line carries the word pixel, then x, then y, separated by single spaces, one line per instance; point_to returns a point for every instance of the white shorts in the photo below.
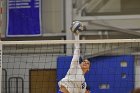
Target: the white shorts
pixel 69 85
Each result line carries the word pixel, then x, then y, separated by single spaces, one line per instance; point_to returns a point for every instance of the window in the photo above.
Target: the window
pixel 106 7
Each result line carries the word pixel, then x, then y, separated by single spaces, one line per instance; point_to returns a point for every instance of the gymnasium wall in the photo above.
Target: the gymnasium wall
pixel 53 18
pixel 18 60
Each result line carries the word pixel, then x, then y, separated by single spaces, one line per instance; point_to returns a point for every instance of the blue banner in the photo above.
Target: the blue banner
pixel 24 18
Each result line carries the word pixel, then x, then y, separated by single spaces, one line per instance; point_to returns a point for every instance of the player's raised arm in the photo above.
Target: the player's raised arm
pixel 76 28
pixel 76 54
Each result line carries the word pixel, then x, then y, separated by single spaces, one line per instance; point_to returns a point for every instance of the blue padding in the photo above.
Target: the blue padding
pixel 63 64
pixel 104 70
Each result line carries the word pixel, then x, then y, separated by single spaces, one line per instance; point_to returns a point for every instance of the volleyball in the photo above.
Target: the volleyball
pixel 77 27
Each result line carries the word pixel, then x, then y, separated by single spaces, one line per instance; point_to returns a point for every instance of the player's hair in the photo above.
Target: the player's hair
pixel 137 90
pixel 80 60
pixel 88 88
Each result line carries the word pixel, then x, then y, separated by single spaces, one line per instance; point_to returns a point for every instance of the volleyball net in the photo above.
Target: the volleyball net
pixel 37 66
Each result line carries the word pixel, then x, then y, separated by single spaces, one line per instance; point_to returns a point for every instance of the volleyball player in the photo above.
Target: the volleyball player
pixel 74 81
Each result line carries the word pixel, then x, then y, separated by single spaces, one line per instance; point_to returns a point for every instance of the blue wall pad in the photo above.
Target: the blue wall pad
pixel 108 74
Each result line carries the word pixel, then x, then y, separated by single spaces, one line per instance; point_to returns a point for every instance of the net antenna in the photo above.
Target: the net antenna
pixel 0 66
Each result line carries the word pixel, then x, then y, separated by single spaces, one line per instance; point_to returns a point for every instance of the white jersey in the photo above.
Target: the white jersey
pixel 74 80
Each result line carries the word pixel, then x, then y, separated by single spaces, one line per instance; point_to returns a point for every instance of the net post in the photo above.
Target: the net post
pixel 68 21
pixel 0 67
